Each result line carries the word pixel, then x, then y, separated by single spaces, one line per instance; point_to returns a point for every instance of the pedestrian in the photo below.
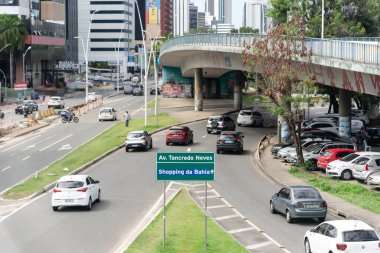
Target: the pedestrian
pixel 127 117
pixel 361 137
pixel 43 97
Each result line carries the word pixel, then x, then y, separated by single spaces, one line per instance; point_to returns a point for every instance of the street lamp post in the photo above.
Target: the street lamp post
pixel 323 18
pixel 5 78
pixel 23 61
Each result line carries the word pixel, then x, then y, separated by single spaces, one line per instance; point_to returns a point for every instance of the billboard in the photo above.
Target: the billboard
pixel 152 12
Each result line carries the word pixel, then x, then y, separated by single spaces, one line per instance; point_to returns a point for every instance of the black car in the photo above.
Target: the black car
pixel 138 90
pixel 373 134
pixel 153 91
pixel 230 141
pixel 32 103
pixel 128 89
pixel 20 108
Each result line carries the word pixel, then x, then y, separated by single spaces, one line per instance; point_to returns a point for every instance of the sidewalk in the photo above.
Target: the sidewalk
pixel 278 172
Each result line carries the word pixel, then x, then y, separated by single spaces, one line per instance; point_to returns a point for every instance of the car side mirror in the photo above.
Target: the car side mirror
pixel 313 230
pixel 242 136
pixel 97 182
pixel 276 194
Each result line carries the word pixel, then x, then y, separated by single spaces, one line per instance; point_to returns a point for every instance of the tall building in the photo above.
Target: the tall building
pixel 110 27
pixel 139 8
pixel 201 20
pixel 166 17
pixel 255 15
pixel 71 30
pixel 180 17
pixel 193 16
pixel 223 10
pixel 209 7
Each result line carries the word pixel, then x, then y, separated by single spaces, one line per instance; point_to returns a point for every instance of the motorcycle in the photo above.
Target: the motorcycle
pixel 68 117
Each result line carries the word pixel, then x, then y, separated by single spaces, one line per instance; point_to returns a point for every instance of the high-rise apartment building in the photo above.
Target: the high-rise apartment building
pixel 166 17
pixel 201 20
pixel 209 7
pixel 223 10
pixel 255 15
pixel 193 16
pixel 180 17
pixel 110 27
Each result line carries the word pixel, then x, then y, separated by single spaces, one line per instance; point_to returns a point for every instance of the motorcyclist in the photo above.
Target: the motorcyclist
pixel 68 113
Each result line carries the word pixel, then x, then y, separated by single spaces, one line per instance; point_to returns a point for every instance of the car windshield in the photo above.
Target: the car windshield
pixel 359 236
pixel 70 184
pixel 216 118
pixel 135 135
pixel 105 111
pixel 245 113
pixel 55 99
pixel 228 136
pixel 313 147
pixel 349 157
pixel 306 193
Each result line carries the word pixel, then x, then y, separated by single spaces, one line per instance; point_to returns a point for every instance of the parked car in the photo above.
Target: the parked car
pixel 299 202
pixel 249 118
pixel 31 103
pixel 138 90
pixel 342 168
pixel 329 126
pixel 128 89
pixel 374 179
pixel 331 155
pixel 218 123
pixel 363 118
pixel 135 79
pixel 20 108
pixel 179 135
pixel 284 152
pixel 230 141
pixel 324 134
pixel 356 126
pixel 153 91
pixel 75 190
pixel 342 236
pixel 138 140
pixel 56 102
pixel 107 113
pixel 365 166
pixel 93 96
pixel 373 136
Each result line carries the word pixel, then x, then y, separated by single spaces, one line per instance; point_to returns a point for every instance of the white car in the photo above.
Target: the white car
pixel 365 166
pixel 329 126
pixel 75 190
pixel 374 179
pixel 107 113
pixel 138 140
pixel 340 236
pixel 56 102
pixel 249 118
pixel 93 96
pixel 363 118
pixel 343 167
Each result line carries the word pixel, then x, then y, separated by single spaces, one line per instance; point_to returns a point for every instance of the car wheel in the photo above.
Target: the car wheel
pixel 289 218
pixel 313 165
pixel 218 151
pixel 307 246
pixel 320 220
pixel 209 131
pixel 89 206
pixel 346 175
pixel 167 143
pixel 126 149
pixel 55 208
pixel 99 196
pixel 272 209
pixel 187 142
pixel 151 144
pixel 146 147
pixel 239 124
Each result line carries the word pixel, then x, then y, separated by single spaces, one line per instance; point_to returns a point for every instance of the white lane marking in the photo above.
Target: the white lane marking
pixel 56 142
pixel 30 146
pixel 21 143
pixel 6 168
pixel 197 192
pixel 209 197
pixel 188 150
pixel 258 245
pixel 234 231
pixel 227 217
pixel 217 206
pixel 204 136
pixel 26 158
pixel 65 147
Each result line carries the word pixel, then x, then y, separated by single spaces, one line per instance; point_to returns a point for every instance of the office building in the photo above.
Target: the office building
pixel 193 16
pixel 222 10
pixel 201 20
pixel 166 17
pixel 209 7
pixel 255 15
pixel 180 17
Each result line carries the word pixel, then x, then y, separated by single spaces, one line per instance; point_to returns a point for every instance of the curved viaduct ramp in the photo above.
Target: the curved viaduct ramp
pixel 346 64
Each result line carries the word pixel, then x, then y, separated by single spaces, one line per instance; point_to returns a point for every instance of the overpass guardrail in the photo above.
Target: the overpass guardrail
pixel 361 50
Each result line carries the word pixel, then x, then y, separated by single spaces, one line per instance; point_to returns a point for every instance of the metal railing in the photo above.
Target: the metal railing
pixel 361 50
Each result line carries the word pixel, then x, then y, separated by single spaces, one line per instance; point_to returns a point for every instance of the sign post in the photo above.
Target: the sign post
pixel 187 166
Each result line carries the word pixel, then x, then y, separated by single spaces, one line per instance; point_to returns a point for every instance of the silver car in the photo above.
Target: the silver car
pixel 366 166
pixel 138 140
pixel 299 202
pixel 219 123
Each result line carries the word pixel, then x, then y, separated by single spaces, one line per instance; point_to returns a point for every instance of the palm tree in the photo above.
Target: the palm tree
pixel 12 31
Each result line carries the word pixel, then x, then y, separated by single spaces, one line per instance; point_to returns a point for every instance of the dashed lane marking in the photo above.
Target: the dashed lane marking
pixel 209 197
pixel 21 143
pixel 259 245
pixel 218 206
pixel 6 168
pixel 234 231
pixel 56 142
pixel 204 136
pixel 26 158
pixel 188 150
pixel 227 217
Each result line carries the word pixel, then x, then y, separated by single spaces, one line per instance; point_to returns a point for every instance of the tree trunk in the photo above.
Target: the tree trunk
pixel 292 129
pixel 11 68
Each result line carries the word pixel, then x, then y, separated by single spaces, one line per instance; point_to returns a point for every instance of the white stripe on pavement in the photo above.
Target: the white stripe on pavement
pixel 56 142
pixel 227 217
pixel 26 158
pixel 218 206
pixel 6 168
pixel 258 245
pixel 240 230
pixel 21 143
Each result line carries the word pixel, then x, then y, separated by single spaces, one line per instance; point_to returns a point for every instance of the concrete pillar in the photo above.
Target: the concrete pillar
pixel 344 113
pixel 238 99
pixel 198 90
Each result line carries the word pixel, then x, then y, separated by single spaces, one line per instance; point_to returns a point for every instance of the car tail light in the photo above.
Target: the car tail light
pixel 378 245
pixel 219 140
pixel 324 204
pixel 84 189
pixel 184 133
pixel 56 190
pixel 341 246
pixel 365 167
pixel 238 140
pixel 298 205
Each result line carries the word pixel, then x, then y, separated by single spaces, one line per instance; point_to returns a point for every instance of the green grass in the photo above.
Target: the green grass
pixel 253 99
pixel 152 104
pixel 97 146
pixel 354 193
pixel 184 231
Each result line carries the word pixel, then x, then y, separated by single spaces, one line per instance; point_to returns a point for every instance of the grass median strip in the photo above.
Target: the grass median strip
pixel 354 193
pixel 87 152
pixel 184 231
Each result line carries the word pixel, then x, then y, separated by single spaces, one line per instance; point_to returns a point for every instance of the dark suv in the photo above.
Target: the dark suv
pixel 373 136
pixel 218 123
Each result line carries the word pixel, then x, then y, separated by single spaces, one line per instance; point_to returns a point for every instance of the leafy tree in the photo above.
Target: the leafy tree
pixel 12 31
pixel 273 56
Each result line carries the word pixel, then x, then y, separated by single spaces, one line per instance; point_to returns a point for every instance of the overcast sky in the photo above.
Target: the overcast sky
pixel 237 10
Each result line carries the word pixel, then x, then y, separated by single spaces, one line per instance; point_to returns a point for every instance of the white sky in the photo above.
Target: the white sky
pixel 237 10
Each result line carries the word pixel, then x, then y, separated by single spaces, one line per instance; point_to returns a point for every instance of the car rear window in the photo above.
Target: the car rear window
pixel 306 194
pixel 349 157
pixel 175 131
pixel 326 153
pixel 359 236
pixel 70 184
pixel 135 135
pixel 245 113
pixel 105 111
pixel 228 136
pixel 215 118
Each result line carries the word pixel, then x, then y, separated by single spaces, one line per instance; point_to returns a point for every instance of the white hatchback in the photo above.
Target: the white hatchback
pixel 337 236
pixel 75 190
pixel 56 102
pixel 93 96
pixel 107 113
